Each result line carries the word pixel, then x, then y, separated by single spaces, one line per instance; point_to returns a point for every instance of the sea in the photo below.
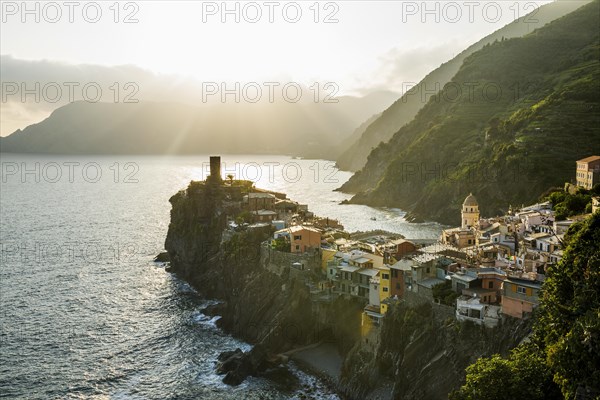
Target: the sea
pixel 85 313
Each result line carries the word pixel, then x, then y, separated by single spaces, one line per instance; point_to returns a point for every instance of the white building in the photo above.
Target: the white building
pixel 470 309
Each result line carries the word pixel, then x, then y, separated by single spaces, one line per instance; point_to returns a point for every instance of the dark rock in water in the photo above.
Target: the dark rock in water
pixel 224 356
pixel 162 257
pixel 214 310
pixel 283 378
pixel 238 365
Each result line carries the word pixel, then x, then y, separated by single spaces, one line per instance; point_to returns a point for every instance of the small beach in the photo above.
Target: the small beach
pixel 323 359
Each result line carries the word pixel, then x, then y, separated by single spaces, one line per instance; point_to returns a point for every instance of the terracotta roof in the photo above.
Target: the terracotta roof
pixel 589 159
pixel 298 228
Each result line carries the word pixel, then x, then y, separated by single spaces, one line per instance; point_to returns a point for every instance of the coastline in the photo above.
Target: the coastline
pixel 323 360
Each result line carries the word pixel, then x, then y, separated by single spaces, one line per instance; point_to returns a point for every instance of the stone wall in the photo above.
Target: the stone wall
pixel 280 262
pixel 441 311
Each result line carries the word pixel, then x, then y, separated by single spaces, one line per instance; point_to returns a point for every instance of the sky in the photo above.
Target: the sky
pixel 361 46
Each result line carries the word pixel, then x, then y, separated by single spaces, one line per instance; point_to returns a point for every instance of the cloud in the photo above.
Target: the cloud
pixel 399 66
pixel 32 89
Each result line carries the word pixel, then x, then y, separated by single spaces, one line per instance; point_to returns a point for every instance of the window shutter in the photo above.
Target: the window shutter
pixel 529 291
pixel 513 288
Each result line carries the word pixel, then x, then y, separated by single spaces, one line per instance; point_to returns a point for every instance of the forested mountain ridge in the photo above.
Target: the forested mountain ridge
pixel 510 124
pixel 305 128
pixel 354 155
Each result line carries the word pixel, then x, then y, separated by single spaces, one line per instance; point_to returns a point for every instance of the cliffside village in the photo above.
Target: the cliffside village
pixel 487 267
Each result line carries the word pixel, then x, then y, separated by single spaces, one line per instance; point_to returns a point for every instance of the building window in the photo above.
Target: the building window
pixel 297 247
pixel 521 289
pixel 397 285
pixel 386 289
pixel 297 237
pixel 386 276
pixel 491 285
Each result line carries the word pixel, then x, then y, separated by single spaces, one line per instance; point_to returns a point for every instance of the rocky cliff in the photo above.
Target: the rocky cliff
pixel 262 301
pixel 420 351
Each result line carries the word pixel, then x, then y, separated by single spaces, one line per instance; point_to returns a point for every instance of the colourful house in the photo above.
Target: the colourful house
pixel 259 201
pixel 263 216
pixel 371 316
pixel 520 296
pixel 384 287
pixel 402 247
pixel 588 172
pixel 492 279
pixel 302 238
pixel 326 256
pixel 398 274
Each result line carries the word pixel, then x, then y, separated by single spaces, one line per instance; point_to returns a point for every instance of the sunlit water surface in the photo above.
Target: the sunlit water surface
pixel 86 314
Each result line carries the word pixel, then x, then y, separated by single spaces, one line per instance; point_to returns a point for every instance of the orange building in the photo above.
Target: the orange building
pixel 520 296
pixel 492 280
pixel 398 281
pixel 402 247
pixel 302 238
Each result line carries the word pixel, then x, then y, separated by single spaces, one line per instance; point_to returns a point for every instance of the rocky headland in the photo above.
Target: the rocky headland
pixel 419 351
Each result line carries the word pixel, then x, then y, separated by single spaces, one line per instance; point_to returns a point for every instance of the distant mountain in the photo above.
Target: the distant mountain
pixel 511 124
pixel 405 109
pixel 305 128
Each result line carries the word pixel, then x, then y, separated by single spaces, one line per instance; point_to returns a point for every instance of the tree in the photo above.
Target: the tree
pixel 243 217
pixel 570 314
pixel 523 375
pixel 444 294
pixel 281 244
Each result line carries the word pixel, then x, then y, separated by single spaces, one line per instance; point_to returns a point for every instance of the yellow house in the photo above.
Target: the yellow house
pixel 326 255
pixel 384 287
pixel 588 172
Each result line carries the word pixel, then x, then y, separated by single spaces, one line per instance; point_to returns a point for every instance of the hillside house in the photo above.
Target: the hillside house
pixel 520 296
pixel 471 309
pixel 259 201
pixel 588 172
pixel 302 238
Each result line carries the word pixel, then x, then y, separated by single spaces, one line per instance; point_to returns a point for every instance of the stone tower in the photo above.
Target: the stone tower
pixel 215 169
pixel 470 212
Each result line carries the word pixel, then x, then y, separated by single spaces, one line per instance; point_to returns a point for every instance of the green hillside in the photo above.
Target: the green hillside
pixel 356 150
pixel 510 124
